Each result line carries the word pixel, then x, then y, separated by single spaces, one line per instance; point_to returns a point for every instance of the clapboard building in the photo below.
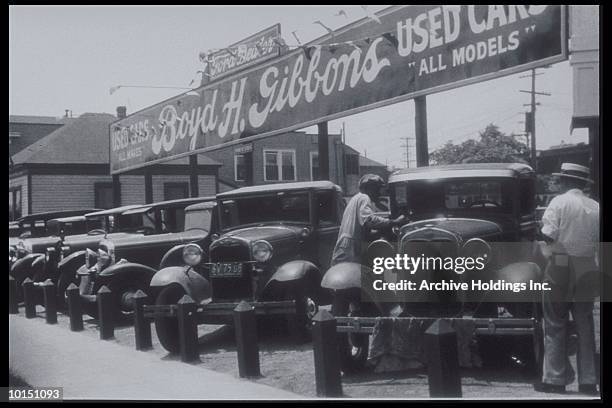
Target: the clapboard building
pixel 292 156
pixel 69 169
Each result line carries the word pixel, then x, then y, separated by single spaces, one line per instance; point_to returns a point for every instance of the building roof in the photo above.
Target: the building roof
pixel 366 162
pixel 83 140
pixel 38 120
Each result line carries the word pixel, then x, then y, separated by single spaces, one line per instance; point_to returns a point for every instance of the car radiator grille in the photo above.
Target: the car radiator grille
pixel 232 288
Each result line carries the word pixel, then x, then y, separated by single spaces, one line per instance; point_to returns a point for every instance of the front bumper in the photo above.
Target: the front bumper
pixel 482 326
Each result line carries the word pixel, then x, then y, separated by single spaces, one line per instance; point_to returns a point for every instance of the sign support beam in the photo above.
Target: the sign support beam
pixel 148 176
pixel 323 141
pixel 193 176
pixel 420 130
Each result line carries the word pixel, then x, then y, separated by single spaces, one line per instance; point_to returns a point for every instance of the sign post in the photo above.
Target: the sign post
pixel 323 142
pixel 420 130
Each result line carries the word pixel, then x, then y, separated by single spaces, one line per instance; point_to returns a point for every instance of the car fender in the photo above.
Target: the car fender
pixel 120 270
pixel 518 272
pixel 345 275
pixel 170 257
pixel 22 268
pixel 300 272
pixel 194 284
pixel 71 263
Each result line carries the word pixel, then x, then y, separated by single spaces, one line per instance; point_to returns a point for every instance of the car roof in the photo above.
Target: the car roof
pixel 183 202
pixel 69 219
pixel 271 188
pixel 116 210
pixel 200 206
pixel 462 170
pixel 55 214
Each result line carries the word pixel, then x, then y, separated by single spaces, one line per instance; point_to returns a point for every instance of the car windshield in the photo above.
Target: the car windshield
pixel 198 219
pixel 66 227
pixel 96 223
pixel 280 207
pixel 425 198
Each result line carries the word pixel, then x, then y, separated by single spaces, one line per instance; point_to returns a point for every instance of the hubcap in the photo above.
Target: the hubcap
pixel 127 300
pixel 311 308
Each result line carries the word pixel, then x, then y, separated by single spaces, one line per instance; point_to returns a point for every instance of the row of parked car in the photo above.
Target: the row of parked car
pixel 274 243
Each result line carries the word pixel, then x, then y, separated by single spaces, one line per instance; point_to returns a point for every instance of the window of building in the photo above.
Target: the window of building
pixel 279 165
pixel 175 191
pixel 352 164
pixel 15 208
pixel 314 166
pixel 103 195
pixel 240 170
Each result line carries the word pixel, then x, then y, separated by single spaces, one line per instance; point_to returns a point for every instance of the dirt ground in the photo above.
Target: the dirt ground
pixel 290 366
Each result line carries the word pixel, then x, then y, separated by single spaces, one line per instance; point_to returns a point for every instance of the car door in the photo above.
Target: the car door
pixel 329 208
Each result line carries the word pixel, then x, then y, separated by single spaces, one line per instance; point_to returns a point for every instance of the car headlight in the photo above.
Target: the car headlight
pixel 261 251
pixel 192 254
pixel 477 248
pixel 106 254
pixel 91 257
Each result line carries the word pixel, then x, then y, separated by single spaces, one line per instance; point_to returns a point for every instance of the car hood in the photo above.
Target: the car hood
pixel 173 238
pixel 463 228
pixel 82 241
pixel 270 233
pixel 40 245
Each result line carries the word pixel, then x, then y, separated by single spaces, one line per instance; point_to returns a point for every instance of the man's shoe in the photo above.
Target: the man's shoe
pixel 590 389
pixel 549 388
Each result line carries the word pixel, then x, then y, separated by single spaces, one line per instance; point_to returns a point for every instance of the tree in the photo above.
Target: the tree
pixel 493 146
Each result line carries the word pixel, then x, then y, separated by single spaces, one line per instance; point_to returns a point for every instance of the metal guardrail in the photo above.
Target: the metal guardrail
pixel 484 326
pixel 222 309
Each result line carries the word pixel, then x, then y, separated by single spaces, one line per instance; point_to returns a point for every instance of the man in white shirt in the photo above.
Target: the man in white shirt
pixel 570 225
pixel 359 215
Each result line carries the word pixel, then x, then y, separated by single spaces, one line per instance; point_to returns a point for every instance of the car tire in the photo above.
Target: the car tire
pixel 63 282
pixel 353 347
pixel 123 291
pixel 299 325
pixel 167 327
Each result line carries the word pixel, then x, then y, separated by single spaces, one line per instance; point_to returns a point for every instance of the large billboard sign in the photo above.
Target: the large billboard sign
pixel 407 51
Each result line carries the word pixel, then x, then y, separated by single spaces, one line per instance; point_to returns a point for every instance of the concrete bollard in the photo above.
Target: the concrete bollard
pixel 106 311
pixel 245 326
pixel 13 303
pixel 50 300
pixel 142 326
pixel 326 357
pixel 442 360
pixel 75 309
pixel 188 329
pixel 29 298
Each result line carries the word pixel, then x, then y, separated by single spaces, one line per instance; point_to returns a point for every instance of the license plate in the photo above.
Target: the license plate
pixel 226 270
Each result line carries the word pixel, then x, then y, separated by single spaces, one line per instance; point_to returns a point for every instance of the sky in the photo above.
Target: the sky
pixel 68 57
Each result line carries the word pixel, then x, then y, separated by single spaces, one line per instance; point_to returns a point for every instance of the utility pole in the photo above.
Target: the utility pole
pixel 531 118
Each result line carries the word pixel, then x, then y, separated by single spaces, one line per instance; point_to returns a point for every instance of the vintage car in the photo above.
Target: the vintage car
pixel 274 242
pixel 483 210
pixel 59 253
pixel 127 264
pixel 34 226
pixel 30 252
